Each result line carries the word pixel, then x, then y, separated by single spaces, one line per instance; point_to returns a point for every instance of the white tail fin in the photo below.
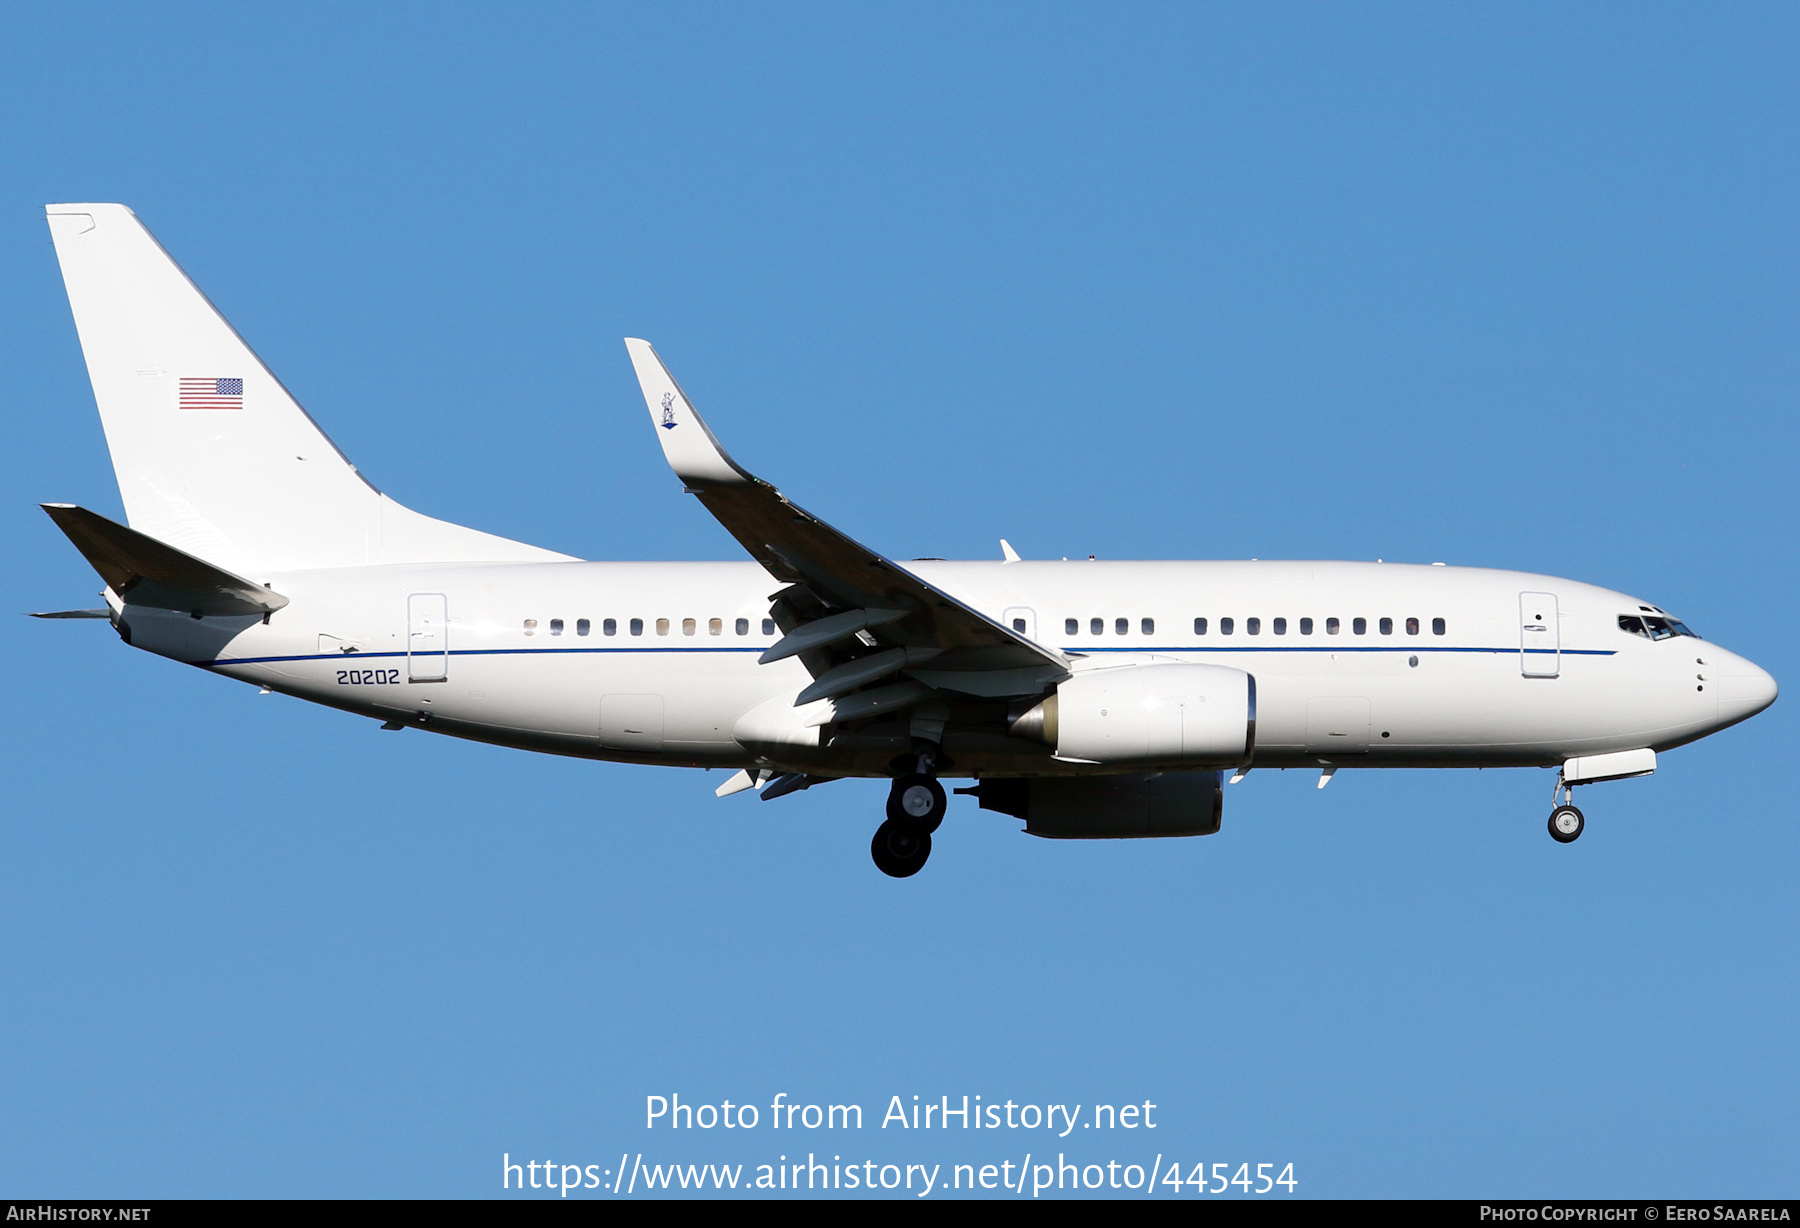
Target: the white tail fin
pixel 212 454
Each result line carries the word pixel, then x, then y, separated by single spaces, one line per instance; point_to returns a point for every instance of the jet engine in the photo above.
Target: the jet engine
pixel 1192 715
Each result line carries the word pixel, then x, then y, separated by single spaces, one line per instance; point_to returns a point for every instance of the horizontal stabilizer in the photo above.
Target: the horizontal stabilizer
pixel 144 571
pixel 74 614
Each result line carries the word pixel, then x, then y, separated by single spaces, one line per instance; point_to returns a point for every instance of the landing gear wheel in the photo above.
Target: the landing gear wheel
pixel 917 801
pixel 900 849
pixel 1566 824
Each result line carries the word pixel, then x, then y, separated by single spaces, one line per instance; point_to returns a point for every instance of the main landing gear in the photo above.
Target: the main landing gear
pixel 900 849
pixel 915 808
pixel 919 800
pixel 1566 822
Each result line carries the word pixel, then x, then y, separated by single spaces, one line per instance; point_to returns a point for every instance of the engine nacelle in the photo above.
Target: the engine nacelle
pixel 1109 807
pixel 1203 715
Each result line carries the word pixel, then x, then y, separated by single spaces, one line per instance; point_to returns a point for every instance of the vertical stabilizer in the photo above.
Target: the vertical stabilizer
pixel 212 454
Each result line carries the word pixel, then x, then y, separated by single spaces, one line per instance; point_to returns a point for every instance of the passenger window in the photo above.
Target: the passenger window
pixel 1019 625
pixel 1331 626
pixel 1387 626
pixel 1253 626
pixel 1412 626
pixel 1306 626
pixel 743 626
pixel 768 626
pixel 583 626
pixel 1097 626
pixel 609 626
pixel 637 626
pixel 1121 626
pixel 1437 626
pixel 687 626
pixel 662 626
pixel 531 626
pixel 1227 626
pixel 556 626
pixel 1071 627
pixel 1281 626
pixel 1360 626
pixel 1148 626
pixel 1199 626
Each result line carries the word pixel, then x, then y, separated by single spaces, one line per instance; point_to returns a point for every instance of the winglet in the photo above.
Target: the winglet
pixel 688 445
pixel 1008 554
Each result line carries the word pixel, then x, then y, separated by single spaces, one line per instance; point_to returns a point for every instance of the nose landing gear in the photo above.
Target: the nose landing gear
pixel 1566 822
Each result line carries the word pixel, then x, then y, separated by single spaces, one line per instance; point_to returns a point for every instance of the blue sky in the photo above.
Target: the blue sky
pixel 1496 285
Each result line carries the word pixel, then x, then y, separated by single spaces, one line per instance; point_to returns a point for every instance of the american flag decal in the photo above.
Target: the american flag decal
pixel 211 393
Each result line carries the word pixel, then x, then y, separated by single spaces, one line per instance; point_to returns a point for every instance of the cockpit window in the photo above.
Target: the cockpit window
pixel 1652 627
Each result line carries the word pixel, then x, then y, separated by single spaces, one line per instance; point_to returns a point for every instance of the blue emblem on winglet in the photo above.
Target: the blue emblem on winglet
pixel 668 422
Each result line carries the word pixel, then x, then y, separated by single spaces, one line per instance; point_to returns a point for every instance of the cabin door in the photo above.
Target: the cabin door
pixel 1540 636
pixel 427 638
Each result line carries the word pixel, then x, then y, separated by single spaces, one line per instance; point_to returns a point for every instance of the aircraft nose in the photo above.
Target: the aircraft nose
pixel 1743 689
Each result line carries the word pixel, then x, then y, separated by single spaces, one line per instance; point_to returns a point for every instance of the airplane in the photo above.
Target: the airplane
pixel 1089 699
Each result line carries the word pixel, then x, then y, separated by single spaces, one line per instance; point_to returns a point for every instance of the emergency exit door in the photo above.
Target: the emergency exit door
pixel 427 638
pixel 1540 636
pixel 1021 619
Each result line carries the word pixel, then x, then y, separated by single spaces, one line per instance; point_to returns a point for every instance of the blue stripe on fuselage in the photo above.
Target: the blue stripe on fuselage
pixel 759 649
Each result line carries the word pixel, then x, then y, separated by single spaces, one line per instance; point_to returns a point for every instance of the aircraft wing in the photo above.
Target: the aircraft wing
pixel 845 608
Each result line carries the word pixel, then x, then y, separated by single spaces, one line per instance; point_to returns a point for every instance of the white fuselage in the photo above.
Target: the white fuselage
pixel 254 548
pixel 525 658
